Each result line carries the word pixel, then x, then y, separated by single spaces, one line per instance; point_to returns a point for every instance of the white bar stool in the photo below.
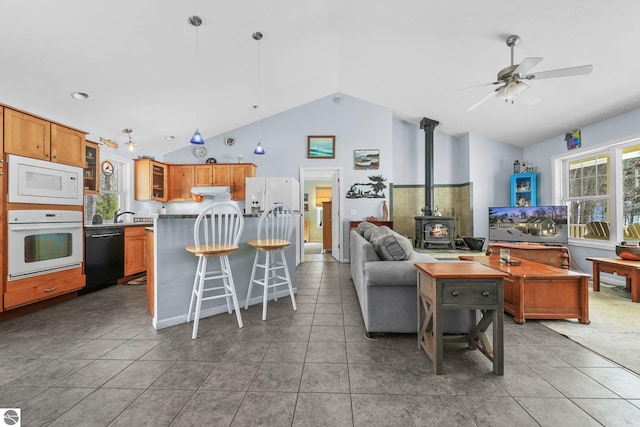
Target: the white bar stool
pixel 216 234
pixel 274 230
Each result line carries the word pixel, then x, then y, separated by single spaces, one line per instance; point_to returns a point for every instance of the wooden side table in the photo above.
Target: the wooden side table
pixel 622 267
pixel 454 286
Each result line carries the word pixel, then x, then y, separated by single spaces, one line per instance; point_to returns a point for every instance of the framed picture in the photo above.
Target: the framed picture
pixel 306 197
pixel 366 159
pixel 573 139
pixel 306 207
pixel 321 147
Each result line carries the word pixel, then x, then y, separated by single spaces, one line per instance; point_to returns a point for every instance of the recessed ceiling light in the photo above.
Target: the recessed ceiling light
pixel 170 138
pixel 79 95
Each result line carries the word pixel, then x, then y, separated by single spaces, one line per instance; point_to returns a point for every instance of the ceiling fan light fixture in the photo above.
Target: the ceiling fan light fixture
pixel 512 90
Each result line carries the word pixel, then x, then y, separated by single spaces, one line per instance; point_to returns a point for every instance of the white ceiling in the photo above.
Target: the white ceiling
pixel 137 61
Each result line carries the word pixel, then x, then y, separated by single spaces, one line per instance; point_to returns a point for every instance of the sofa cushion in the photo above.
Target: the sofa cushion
pixel 391 246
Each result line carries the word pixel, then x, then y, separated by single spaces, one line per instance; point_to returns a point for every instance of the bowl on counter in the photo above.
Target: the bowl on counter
pixel 628 252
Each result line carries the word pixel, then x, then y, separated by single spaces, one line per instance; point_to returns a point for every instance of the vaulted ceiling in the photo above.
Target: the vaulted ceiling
pixel 139 63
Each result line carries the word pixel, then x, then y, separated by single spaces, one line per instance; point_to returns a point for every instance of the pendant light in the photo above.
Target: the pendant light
pixel 131 146
pixel 197 139
pixel 259 150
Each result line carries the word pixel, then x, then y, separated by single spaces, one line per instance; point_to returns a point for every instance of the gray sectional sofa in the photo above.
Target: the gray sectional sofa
pixel 383 272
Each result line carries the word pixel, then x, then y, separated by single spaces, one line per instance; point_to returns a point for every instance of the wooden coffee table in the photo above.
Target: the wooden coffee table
pixel 539 291
pixel 621 267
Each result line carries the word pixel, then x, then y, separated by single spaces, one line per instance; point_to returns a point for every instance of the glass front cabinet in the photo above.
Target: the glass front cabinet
pixel 524 189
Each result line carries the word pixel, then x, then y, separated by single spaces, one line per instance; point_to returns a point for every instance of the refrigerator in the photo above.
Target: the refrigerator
pixel 262 192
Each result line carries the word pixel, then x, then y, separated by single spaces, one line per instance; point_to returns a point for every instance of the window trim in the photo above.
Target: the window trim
pixel 559 177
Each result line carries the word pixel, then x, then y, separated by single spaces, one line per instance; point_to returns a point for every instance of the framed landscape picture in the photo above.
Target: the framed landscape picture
pixel 321 147
pixel 366 159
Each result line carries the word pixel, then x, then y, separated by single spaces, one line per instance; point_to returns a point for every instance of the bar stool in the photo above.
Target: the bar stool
pixel 274 229
pixel 216 234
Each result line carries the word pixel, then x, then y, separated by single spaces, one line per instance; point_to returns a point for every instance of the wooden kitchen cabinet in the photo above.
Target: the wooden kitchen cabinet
pixel 206 175
pixel 31 136
pixel 221 174
pixel 150 272
pixel 67 145
pixel 3 191
pixel 203 175
pixel 150 180
pixel 91 168
pixel 134 250
pixel 181 180
pixel 239 172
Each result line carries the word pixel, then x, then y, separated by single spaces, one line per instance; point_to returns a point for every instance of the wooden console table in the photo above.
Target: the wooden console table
pixel 539 291
pixel 622 267
pixel 455 286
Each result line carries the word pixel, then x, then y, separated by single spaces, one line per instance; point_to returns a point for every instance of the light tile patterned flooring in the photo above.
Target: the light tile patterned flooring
pixel 96 361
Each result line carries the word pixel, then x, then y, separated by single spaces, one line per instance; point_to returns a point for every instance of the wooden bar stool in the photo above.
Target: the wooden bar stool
pixel 274 230
pixel 216 234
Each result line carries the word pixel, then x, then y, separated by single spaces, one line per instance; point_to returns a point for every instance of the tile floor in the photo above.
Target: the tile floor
pixel 96 361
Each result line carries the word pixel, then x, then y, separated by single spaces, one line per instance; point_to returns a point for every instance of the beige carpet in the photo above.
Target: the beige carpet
pixel 614 331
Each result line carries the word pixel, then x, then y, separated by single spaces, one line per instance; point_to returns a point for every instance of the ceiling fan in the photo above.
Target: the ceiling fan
pixel 511 79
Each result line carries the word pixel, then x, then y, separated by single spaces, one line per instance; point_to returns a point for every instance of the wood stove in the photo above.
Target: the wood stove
pixel 435 231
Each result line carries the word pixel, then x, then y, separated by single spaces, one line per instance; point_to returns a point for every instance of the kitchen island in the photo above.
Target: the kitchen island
pixel 174 269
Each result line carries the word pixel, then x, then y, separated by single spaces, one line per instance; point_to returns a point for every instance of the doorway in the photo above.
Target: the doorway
pixel 330 177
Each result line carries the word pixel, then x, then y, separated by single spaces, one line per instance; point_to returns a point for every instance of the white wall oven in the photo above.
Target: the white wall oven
pixel 43 241
pixel 38 181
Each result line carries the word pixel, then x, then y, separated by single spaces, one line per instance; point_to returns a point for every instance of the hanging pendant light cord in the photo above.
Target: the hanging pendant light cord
pixel 259 149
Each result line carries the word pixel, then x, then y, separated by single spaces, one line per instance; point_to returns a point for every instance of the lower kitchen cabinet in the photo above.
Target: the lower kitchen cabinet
pixel 134 250
pixel 26 291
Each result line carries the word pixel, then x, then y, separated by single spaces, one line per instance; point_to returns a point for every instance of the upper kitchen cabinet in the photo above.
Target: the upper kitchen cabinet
pixel 30 136
pixel 151 179
pixel 239 172
pixel 67 145
pixel 91 168
pixel 207 175
pixel 181 179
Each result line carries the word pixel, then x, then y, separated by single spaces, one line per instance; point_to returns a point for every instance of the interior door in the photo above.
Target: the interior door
pixel 336 226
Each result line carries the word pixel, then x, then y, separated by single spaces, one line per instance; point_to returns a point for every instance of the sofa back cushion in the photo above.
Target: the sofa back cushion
pixel 391 246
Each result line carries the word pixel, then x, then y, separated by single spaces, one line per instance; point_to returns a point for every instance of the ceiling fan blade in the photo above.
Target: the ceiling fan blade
pixel 475 86
pixel 482 100
pixel 562 72
pixel 527 64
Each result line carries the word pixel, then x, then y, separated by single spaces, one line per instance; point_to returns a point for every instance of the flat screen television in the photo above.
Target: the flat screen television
pixel 536 224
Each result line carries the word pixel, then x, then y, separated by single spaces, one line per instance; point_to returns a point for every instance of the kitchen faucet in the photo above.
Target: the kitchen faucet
pixel 117 215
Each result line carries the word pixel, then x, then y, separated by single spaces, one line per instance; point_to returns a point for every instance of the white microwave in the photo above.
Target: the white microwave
pixel 39 181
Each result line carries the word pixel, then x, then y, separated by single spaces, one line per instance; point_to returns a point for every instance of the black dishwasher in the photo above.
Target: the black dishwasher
pixel 103 256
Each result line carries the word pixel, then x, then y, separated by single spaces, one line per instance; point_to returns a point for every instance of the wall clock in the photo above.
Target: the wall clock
pixel 229 141
pixel 200 151
pixel 107 168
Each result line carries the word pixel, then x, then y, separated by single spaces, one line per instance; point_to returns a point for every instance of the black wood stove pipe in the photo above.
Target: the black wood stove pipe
pixel 428 126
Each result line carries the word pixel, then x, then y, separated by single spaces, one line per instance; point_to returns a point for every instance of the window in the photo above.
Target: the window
pixel 113 194
pixel 597 212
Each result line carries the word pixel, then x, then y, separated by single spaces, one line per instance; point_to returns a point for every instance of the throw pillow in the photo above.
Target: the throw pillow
pixel 392 247
pixel 363 226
